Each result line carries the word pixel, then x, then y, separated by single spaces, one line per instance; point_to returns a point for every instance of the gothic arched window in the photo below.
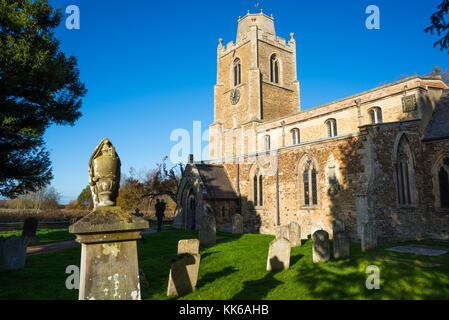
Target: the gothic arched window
pixel 237 72
pixel 441 182
pixel 308 182
pixel 274 69
pixel 257 187
pixel 296 137
pixel 331 126
pixel 255 190
pixel 404 173
pixel 375 115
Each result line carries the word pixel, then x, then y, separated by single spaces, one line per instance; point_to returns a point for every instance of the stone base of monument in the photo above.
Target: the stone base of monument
pixel 109 265
pixel 13 252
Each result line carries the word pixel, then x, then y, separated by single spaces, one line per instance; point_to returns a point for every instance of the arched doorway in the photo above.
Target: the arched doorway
pixel 191 211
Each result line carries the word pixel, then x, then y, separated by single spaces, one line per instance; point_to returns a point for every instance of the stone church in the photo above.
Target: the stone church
pixel 380 157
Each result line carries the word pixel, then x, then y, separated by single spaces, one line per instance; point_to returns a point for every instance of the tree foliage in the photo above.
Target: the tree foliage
pixel 164 181
pixel 39 87
pixel 440 25
pixel 85 201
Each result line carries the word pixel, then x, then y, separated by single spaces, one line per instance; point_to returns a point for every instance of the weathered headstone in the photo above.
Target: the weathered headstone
pixel 29 231
pixel 237 224
pixel 279 255
pixel 320 246
pixel 294 233
pixel 208 232
pixel 13 252
pixel 341 245
pixel 183 274
pixel 189 246
pixel 282 232
pixel 369 236
pixel 109 265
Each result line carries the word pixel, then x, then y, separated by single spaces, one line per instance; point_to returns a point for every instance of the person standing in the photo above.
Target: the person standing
pixel 160 208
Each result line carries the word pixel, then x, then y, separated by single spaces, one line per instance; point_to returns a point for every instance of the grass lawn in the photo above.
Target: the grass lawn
pixel 234 268
pixel 46 236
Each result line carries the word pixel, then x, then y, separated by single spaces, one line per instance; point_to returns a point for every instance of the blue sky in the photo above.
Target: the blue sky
pixel 150 67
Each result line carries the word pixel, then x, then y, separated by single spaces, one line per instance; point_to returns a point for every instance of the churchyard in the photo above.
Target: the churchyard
pixel 235 268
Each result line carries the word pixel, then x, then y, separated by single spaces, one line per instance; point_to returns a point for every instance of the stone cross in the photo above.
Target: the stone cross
pixel 207 232
pixel 294 232
pixel 183 274
pixel 29 231
pixel 13 252
pixel 320 246
pixel 278 255
pixel 109 265
pixel 237 224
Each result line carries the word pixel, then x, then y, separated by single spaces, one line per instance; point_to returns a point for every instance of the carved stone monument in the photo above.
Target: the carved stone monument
pixel 279 255
pixel 237 224
pixel 13 252
pixel 109 266
pixel 294 233
pixel 320 246
pixel 183 274
pixel 208 231
pixel 29 230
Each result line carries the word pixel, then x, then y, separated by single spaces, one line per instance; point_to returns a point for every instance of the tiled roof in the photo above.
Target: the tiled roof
pixel 438 127
pixel 216 182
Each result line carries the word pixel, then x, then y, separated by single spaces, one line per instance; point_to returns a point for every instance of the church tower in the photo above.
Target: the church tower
pixel 256 82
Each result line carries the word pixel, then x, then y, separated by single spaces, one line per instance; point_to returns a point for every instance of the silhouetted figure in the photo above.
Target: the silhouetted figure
pixel 160 208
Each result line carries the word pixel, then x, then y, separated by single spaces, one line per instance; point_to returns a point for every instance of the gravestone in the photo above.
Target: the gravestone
pixel 207 233
pixel 29 231
pixel 189 246
pixel 13 252
pixel 108 235
pixel 369 236
pixel 341 245
pixel 282 232
pixel 294 233
pixel 183 274
pixel 237 224
pixel 320 246
pixel 278 255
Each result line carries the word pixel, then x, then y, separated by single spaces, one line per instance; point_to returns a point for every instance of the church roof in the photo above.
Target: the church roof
pixel 216 182
pixel 438 127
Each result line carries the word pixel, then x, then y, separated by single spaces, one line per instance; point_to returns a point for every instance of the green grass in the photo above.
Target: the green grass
pixel 234 268
pixel 46 236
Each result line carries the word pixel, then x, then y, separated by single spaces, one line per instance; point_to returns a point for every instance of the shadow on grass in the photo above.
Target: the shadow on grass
pixel 347 278
pixel 258 289
pixel 213 276
pixel 207 254
pixel 295 259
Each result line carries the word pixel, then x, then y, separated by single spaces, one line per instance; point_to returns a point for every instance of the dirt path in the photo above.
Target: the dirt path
pixel 51 247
